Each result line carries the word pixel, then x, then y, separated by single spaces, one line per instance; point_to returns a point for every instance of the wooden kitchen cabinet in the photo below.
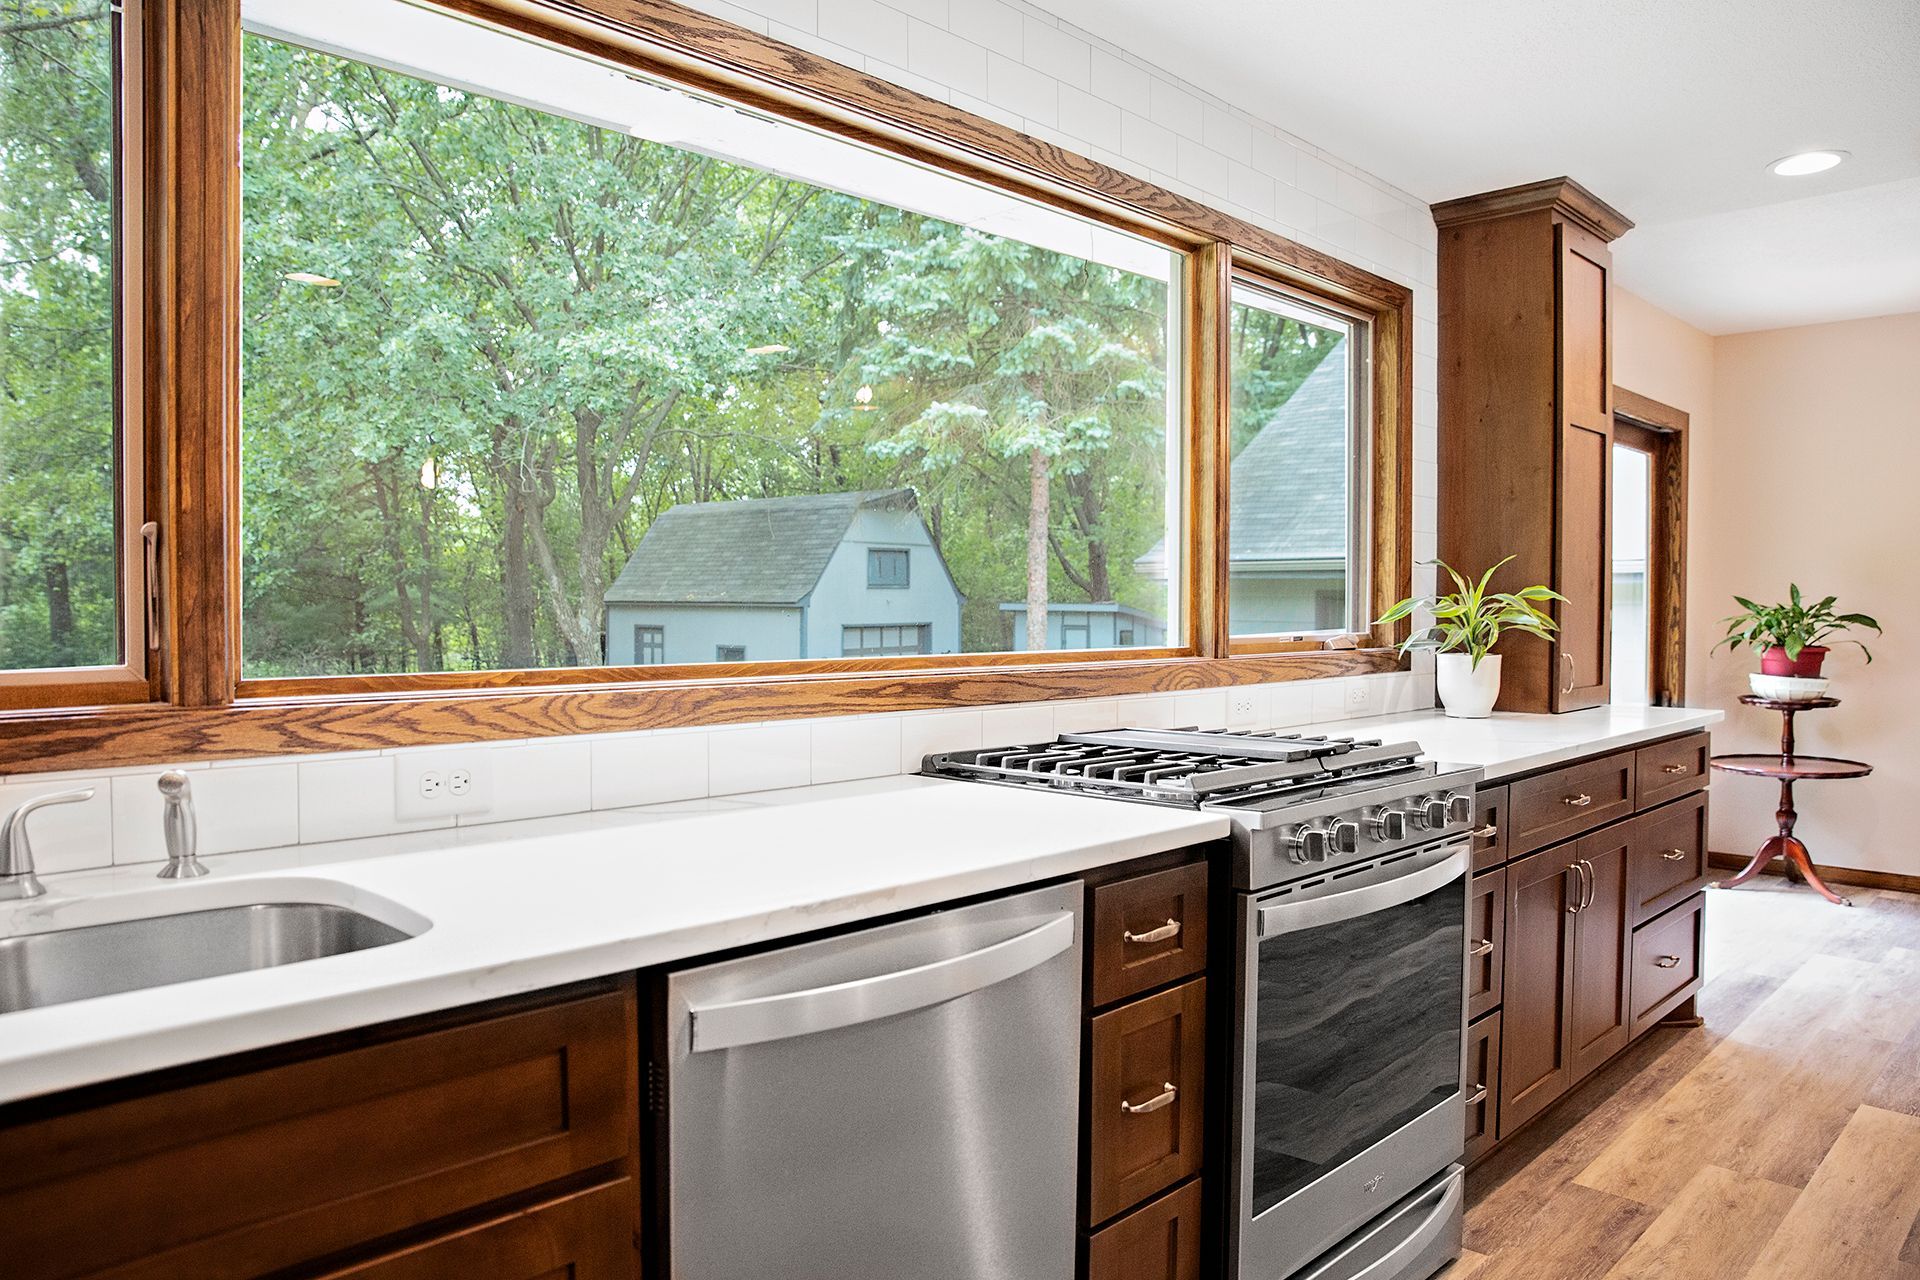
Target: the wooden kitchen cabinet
pixel 1536 1063
pixel 1486 938
pixel 1146 931
pixel 1598 1018
pixel 1146 1101
pixel 1482 1084
pixel 583 1236
pixel 333 1148
pixel 1157 1241
pixel 1526 420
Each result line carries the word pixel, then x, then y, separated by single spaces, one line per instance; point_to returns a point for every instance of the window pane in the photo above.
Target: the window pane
pixel 538 353
pixel 1295 503
pixel 59 473
pixel 1632 541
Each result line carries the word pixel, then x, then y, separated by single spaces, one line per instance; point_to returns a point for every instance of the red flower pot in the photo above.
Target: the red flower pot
pixel 1775 662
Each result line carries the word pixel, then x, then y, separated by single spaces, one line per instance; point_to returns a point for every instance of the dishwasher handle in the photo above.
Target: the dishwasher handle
pixel 846 1004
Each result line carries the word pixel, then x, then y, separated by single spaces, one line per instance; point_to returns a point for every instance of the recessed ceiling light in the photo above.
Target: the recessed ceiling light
pixel 1805 162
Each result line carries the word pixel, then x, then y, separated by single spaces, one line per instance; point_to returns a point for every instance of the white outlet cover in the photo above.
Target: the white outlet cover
pixel 1359 696
pixel 409 805
pixel 1243 706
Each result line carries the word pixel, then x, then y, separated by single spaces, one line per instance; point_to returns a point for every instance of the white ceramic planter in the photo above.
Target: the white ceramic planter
pixel 1465 690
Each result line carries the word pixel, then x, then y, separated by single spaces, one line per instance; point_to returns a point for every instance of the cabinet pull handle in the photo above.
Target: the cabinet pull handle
pixel 1580 801
pixel 1477 1097
pixel 1593 883
pixel 1487 832
pixel 1579 888
pixel 1481 947
pixel 1673 855
pixel 1171 929
pixel 1666 962
pixel 1673 768
pixel 1572 672
pixel 1167 1094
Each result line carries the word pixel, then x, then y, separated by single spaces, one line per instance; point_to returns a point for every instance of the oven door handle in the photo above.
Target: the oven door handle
pixel 1308 913
pixel 1431 1226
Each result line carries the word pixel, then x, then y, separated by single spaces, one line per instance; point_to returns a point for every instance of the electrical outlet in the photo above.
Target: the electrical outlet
pixel 1360 698
pixel 441 784
pixel 1242 706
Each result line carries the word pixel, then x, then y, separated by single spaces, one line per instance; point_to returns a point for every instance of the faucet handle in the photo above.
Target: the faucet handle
pixel 181 829
pixel 17 879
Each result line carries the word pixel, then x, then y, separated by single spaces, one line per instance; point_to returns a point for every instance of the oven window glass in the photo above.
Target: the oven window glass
pixel 1357 1033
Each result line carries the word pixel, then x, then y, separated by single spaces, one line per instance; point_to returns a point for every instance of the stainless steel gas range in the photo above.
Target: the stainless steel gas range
pixel 1350 867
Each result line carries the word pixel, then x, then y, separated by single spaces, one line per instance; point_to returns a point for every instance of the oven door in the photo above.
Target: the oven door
pixel 1351 1042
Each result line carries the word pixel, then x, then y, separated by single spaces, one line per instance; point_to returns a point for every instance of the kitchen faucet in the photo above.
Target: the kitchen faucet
pixel 17 879
pixel 180 829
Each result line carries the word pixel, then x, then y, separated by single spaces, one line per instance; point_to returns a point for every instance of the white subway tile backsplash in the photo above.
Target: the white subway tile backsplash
pixel 236 808
pixel 849 747
pixel 1148 713
pixel 1330 700
pixel 1012 726
pixel 801 14
pixel 1085 717
pixel 649 768
pixel 1120 81
pixel 930 11
pixel 350 797
pixel 1201 709
pixel 947 58
pixel 1227 132
pixel 1060 54
pixel 1250 188
pixel 926 731
pixel 760 757
pixel 807 40
pixel 999 27
pixel 538 780
pixel 65 837
pixel 1199 165
pixel 1147 144
pixel 1016 87
pixel 1290 704
pixel 872 28
pixel 1174 108
pixel 1086 116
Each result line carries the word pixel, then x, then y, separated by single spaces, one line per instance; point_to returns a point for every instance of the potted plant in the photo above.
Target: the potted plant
pixel 1466 625
pixel 1791 638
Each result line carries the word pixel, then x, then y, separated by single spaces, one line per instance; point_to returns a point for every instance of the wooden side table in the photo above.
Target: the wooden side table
pixel 1789 768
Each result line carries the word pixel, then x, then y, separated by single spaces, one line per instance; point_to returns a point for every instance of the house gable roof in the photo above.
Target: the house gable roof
pixel 1290 481
pixel 748 551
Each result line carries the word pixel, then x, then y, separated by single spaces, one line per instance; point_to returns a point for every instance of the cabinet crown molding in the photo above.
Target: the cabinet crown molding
pixel 1559 195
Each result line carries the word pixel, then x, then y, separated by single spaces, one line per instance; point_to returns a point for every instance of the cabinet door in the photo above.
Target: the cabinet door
pixel 1482 1083
pixel 1490 847
pixel 1535 1066
pixel 1148 1065
pixel 1584 510
pixel 1599 1016
pixel 1486 931
pixel 1158 1241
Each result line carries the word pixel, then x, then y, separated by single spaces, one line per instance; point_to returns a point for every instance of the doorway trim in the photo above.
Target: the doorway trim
pixel 1643 423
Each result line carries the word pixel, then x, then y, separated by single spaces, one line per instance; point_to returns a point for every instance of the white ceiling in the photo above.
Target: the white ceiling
pixel 1670 111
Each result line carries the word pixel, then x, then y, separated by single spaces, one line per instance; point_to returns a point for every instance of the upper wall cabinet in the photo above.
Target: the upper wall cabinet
pixel 1526 419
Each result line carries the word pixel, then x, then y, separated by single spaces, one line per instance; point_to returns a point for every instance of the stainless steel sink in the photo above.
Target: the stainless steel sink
pixel 96 960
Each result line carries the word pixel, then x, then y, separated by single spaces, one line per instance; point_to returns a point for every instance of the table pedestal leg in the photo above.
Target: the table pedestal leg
pixel 1789 846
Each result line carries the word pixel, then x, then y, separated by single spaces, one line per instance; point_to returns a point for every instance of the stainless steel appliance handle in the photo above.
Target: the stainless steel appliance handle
pixel 845 1004
pixel 1431 1226
pixel 1171 929
pixel 1308 913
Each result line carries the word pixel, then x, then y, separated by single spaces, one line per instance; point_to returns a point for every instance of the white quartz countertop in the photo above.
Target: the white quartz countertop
pixel 520 906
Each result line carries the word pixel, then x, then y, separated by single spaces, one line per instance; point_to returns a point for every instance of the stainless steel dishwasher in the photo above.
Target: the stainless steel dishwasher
pixel 899 1103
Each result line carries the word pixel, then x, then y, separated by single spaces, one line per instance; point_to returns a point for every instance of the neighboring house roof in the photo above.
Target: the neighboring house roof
pixel 1289 485
pixel 748 551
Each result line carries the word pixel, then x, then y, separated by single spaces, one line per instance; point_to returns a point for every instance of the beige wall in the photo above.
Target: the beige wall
pixel 1805 467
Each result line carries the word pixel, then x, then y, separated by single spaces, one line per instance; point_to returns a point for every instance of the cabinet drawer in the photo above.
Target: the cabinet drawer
pixel 1565 803
pixel 1669 856
pixel 585 1236
pixel 1486 940
pixel 1668 769
pixel 1666 962
pixel 1158 1241
pixel 1148 1069
pixel 256 1171
pixel 1483 1086
pixel 1489 827
pixel 1148 931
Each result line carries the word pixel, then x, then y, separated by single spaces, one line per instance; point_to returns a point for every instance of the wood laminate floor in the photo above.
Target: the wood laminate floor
pixel 1780 1141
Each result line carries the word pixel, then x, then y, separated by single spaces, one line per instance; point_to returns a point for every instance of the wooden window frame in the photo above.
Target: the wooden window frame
pixel 1661 431
pixel 199 707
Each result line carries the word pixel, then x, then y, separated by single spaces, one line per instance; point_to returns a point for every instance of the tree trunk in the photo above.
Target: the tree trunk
pixel 516 582
pixel 60 612
pixel 432 656
pixel 1099 580
pixel 1039 514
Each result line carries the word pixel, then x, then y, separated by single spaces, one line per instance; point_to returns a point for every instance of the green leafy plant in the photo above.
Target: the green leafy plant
pixel 1792 626
pixel 1472 618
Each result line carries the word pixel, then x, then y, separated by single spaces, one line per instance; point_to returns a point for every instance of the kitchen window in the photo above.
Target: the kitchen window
pixel 538 350
pixel 887 569
pixel 1298 482
pixel 73 581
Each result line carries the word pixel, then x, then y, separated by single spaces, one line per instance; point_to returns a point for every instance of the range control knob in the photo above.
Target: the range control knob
pixel 1344 835
pixel 1389 824
pixel 1433 812
pixel 1459 807
pixel 1308 844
